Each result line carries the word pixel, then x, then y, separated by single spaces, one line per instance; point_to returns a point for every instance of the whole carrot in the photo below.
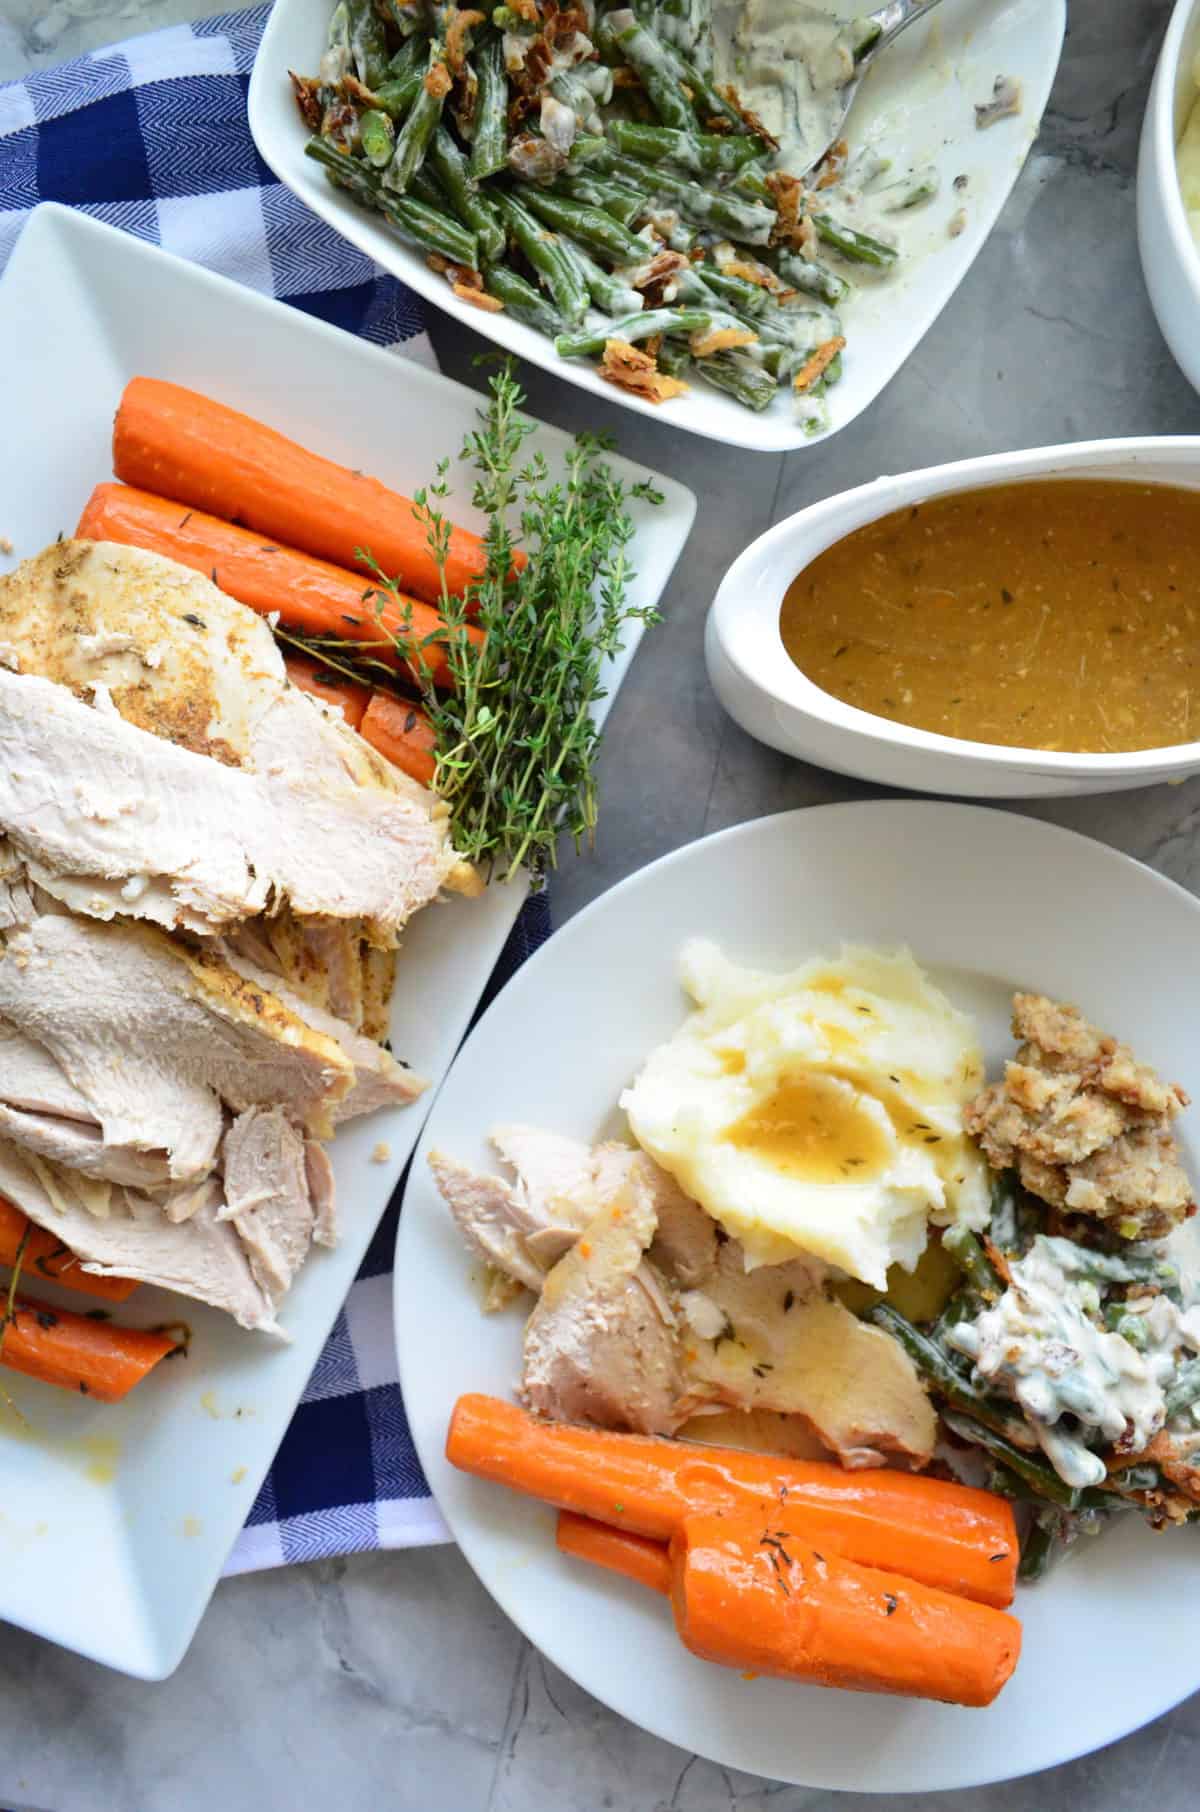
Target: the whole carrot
pixel 42 1255
pixel 636 1556
pixel 751 1593
pixel 950 1536
pixel 311 597
pixel 180 444
pixel 402 733
pixel 94 1358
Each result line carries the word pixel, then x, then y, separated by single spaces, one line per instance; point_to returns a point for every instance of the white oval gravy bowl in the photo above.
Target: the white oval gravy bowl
pixel 765 692
pixel 1169 254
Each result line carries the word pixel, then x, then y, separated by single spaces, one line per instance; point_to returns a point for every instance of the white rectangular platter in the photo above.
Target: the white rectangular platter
pixel 116 1520
pixel 917 105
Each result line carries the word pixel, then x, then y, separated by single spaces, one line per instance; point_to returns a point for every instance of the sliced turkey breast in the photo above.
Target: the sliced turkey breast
pixel 267 1195
pixel 200 1257
pixel 159 764
pixel 157 1040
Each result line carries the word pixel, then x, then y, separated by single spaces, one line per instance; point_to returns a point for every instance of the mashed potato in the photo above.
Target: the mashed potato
pixel 819 1111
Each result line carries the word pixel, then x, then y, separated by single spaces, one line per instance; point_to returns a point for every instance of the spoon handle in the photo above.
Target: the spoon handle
pixel 892 19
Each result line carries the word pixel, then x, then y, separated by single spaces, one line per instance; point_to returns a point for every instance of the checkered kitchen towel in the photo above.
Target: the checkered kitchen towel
pixel 151 136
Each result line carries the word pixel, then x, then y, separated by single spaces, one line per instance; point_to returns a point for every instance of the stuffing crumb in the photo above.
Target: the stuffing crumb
pixel 817 362
pixel 6 546
pixel 381 1153
pixel 634 370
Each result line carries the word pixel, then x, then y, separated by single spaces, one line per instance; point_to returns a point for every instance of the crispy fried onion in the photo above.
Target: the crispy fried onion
pixel 654 278
pixel 307 91
pixel 792 225
pixel 458 31
pixel 438 82
pixel 728 93
pixel 633 369
pixel 817 362
pixel 707 340
pixel 832 166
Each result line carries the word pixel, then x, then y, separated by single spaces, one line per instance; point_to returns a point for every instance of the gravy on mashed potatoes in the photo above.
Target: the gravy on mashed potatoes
pixel 819 1111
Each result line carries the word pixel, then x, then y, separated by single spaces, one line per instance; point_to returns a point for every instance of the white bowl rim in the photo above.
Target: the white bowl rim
pixel 790 690
pixel 1163 140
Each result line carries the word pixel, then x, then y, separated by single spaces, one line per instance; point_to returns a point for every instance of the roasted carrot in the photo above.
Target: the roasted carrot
pixel 42 1255
pixel 636 1556
pixel 945 1535
pixel 178 443
pixel 95 1358
pixel 752 1593
pixel 401 732
pixel 349 698
pixel 311 597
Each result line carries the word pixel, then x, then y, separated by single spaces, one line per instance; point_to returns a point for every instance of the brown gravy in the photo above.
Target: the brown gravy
pixel 1057 614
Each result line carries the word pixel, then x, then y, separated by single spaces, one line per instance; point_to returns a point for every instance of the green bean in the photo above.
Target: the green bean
pixel 696 151
pixel 655 66
pixel 831 375
pixel 473 208
pixel 687 24
pixel 367 44
pixel 946 1379
pixel 740 378
pixel 412 141
pixel 338 58
pixel 709 280
pixel 1041 1477
pixel 861 248
pixel 378 137
pixel 708 103
pixel 521 299
pixel 608 292
pixel 919 186
pixel 396 97
pixel 1042 1538
pixel 489 146
pixel 592 227
pixel 426 187
pixel 674 357
pixel 714 208
pixel 410 17
pixel 417 221
pixel 590 343
pixel 1184 1388
pixel 1119 1320
pixel 1129 1266
pixel 595 192
pixel 974 1263
pixel 751 182
pixel 1130 1482
pixel 408 60
pixel 554 267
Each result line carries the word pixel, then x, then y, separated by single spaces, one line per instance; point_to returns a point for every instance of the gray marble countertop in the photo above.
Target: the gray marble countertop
pixel 391 1681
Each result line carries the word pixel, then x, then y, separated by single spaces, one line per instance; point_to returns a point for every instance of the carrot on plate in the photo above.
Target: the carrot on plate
pixel 42 1252
pixel 750 1592
pixel 946 1535
pixel 95 1358
pixel 402 733
pixel 324 683
pixel 617 1550
pixel 180 444
pixel 311 597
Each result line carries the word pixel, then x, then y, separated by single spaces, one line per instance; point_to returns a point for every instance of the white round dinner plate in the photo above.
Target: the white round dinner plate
pixel 989 902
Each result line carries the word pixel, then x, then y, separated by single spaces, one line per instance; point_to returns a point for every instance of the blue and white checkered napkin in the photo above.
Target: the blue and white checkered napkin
pixel 151 136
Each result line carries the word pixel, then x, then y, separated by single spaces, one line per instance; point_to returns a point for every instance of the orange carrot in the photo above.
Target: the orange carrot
pixel 94 1358
pixel 950 1536
pixel 312 597
pixel 48 1257
pixel 323 682
pixel 177 443
pixel 752 1593
pixel 402 733
pixel 634 1555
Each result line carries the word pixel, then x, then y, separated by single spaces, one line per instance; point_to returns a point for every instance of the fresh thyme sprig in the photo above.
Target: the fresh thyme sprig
pixel 515 737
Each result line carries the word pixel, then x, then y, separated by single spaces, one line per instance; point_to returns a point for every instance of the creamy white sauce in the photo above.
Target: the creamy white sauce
pixel 1042 1346
pixel 789 63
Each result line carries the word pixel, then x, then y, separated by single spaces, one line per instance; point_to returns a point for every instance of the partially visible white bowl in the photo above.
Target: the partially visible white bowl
pixel 761 687
pixel 1170 258
pixel 919 96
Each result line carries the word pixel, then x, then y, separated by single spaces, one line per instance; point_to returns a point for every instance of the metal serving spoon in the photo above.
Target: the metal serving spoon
pixel 872 33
